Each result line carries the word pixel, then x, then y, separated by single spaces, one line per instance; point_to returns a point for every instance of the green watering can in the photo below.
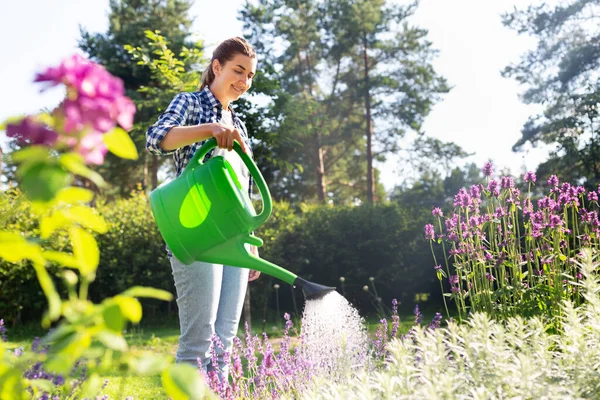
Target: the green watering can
pixel 206 215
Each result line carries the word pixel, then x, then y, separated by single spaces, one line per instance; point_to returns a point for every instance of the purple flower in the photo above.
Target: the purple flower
pixel 462 198
pixel 488 169
pixel 592 196
pixel 30 131
pixel 507 182
pixel 530 177
pixel 493 188
pixel 3 331
pixel 437 267
pixel 553 181
pixel 437 212
pixel 18 351
pixel 489 277
pixel 429 232
pixel 453 280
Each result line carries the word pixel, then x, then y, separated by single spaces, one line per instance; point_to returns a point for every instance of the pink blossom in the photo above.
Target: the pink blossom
pixel 96 98
pixel 92 148
pixel 30 131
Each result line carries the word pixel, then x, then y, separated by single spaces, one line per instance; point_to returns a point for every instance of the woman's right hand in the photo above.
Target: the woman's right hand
pixel 225 136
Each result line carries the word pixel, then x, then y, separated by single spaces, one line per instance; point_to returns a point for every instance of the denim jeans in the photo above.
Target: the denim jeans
pixel 210 298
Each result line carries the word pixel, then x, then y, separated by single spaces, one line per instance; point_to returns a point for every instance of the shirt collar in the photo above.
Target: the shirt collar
pixel 213 101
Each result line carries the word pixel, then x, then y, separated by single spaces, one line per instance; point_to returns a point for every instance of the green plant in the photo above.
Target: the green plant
pixel 56 149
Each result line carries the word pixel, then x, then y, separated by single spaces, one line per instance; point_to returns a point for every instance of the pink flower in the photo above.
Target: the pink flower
pixel 96 98
pixel 92 148
pixel 30 131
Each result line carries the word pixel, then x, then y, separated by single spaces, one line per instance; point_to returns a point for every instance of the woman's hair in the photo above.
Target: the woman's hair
pixel 225 52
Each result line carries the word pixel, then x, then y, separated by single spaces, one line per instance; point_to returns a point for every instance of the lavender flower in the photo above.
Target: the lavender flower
pixel 553 181
pixel 488 169
pixel 437 212
pixel 530 177
pixel 429 232
pixel 3 331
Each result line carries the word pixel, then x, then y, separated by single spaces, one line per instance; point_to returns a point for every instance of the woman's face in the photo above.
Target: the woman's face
pixel 233 78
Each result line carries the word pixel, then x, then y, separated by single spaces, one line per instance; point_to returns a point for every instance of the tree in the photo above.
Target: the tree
pixel 128 20
pixel 350 70
pixel 316 122
pixel 562 73
pixel 394 72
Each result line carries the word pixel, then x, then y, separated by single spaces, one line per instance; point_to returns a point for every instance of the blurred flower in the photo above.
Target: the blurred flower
pixel 437 212
pixel 95 99
pixel 429 232
pixel 530 177
pixel 488 169
pixel 553 181
pixel 30 131
pixel 342 279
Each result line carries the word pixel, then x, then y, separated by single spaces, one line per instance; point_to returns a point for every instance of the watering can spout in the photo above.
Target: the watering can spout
pixel 311 290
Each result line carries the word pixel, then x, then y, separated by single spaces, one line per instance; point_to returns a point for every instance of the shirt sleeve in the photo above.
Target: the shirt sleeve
pixel 176 114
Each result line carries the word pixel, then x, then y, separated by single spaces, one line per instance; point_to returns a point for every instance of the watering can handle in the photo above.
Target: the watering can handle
pixel 258 178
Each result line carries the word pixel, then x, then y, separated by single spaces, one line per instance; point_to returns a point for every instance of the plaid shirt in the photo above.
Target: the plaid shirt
pixel 191 109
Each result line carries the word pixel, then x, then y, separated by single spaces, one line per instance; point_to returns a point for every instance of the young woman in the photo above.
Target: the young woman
pixel 210 297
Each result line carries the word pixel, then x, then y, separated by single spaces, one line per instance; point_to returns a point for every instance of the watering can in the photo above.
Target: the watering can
pixel 206 215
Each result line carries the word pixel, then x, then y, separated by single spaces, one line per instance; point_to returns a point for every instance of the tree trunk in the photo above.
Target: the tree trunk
pixel 369 128
pixel 320 169
pixel 320 164
pixel 146 171
pixel 154 171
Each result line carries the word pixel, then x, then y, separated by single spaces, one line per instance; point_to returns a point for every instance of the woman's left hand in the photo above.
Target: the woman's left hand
pixel 253 274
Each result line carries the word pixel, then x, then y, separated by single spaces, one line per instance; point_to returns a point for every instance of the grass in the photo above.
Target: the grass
pixel 162 339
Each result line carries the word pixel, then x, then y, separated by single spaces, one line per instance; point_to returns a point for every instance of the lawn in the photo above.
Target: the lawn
pixel 163 339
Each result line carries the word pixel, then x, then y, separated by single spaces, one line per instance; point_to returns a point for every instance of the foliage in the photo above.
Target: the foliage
pixel 487 359
pixel 56 148
pixel 317 52
pixel 357 243
pixel 506 257
pixel 129 21
pixel 561 73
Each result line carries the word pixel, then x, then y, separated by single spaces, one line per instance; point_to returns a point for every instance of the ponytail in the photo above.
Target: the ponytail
pixel 208 76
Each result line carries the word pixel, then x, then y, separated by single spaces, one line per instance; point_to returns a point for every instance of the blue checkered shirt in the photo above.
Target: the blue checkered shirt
pixel 186 109
pixel 190 109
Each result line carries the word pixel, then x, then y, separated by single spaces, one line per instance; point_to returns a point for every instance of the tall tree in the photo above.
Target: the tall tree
pixel 128 20
pixel 316 121
pixel 393 72
pixel 353 73
pixel 562 73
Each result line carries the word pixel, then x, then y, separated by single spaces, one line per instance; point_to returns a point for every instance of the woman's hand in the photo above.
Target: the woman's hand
pixel 253 274
pixel 225 136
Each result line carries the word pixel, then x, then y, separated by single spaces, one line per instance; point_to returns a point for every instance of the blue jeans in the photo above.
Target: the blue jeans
pixel 210 298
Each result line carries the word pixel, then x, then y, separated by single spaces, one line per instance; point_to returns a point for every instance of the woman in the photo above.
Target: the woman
pixel 210 297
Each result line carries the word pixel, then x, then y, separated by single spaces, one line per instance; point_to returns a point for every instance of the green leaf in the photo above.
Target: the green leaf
pixel 182 382
pixel 50 223
pixel 112 340
pixel 141 291
pixel 63 259
pixel 91 387
pixel 11 383
pixel 54 302
pixel 74 195
pixel 14 248
pixel 85 250
pixel 113 318
pixel 130 308
pixel 75 163
pixel 41 384
pixel 43 181
pixel 150 364
pixel 120 144
pixel 86 216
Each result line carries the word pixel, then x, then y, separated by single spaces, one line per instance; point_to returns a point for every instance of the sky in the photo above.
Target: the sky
pixel 482 113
